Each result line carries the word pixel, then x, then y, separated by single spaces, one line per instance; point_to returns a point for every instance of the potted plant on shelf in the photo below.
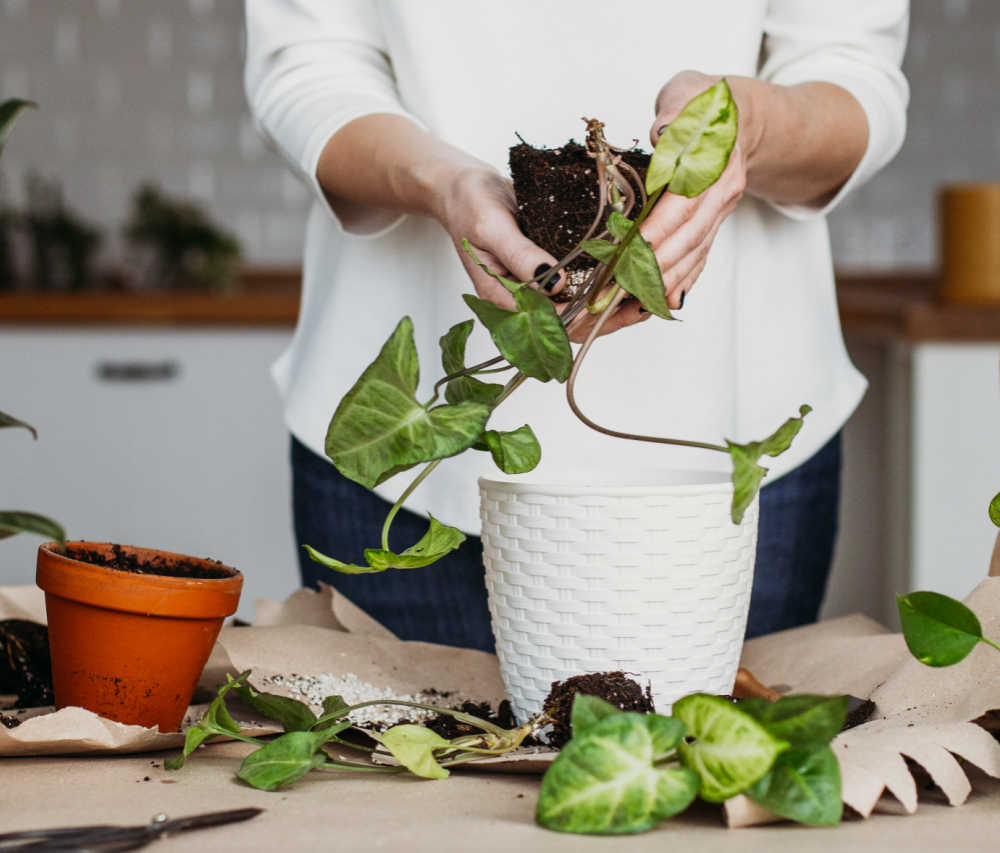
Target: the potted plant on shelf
pixel 129 629
pixel 649 575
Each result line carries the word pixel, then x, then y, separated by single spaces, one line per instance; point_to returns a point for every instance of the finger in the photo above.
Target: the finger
pixel 527 261
pixel 684 274
pixel 486 286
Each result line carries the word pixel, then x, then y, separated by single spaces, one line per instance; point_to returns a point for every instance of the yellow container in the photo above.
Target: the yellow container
pixel 969 217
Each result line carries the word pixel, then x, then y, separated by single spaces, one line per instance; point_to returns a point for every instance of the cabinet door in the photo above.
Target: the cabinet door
pixel 166 439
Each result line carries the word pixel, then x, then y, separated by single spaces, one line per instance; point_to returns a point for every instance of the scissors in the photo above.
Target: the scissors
pixel 107 838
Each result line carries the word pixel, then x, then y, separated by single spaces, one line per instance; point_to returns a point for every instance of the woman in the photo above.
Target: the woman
pixel 399 115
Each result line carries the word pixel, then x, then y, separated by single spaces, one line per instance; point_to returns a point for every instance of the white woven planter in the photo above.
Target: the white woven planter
pixel 653 580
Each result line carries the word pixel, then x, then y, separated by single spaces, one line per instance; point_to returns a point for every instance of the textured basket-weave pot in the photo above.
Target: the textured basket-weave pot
pixel 653 580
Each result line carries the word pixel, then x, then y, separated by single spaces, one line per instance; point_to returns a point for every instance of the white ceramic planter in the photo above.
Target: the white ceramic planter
pixel 650 579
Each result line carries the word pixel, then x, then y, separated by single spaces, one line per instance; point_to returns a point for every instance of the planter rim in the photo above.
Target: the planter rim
pixel 616 485
pixel 150 594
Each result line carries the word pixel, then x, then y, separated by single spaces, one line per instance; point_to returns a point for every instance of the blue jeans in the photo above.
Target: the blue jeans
pixel 446 602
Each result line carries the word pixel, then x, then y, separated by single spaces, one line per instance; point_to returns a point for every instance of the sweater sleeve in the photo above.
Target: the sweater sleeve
pixel 855 44
pixel 313 66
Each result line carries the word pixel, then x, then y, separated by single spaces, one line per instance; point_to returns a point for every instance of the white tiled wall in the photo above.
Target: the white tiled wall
pixel 139 89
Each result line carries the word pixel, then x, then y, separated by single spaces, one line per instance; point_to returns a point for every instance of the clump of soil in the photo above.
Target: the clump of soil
pixel 25 665
pixel 449 727
pixel 858 714
pixel 557 196
pixel 126 560
pixel 615 688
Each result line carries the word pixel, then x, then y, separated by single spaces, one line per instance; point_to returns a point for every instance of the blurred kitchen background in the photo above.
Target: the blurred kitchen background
pixel 149 245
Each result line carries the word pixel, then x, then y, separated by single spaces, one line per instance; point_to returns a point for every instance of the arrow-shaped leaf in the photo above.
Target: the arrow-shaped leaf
pixel 515 452
pixel 747 474
pixel 464 388
pixel 379 428
pixel 693 150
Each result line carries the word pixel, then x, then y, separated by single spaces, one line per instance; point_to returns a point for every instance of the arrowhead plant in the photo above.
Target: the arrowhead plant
pixel 381 429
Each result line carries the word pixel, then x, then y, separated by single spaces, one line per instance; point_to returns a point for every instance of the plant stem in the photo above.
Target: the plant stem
pixel 989 642
pixel 458 715
pixel 399 502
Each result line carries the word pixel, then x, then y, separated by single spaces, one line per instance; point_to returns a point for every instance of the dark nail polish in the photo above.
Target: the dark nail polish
pixel 540 270
pixel 643 310
pixel 659 132
pixel 683 294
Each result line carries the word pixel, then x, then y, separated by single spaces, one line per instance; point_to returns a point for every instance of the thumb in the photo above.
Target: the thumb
pixel 526 261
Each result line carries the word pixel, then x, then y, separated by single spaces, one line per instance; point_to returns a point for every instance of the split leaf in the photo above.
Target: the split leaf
pixel 939 630
pixel 285 759
pixel 803 785
pixel 379 428
pixel 800 719
pixel 729 751
pixel 747 474
pixel 512 286
pixel 15 521
pixel 464 388
pixel 532 338
pixel 10 421
pixel 414 746
pixel 605 781
pixel 637 270
pixel 433 545
pixel 9 111
pixel 514 452
pixel 693 150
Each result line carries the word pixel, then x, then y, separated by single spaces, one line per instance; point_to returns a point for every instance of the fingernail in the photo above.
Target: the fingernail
pixel 683 294
pixel 662 128
pixel 540 270
pixel 643 310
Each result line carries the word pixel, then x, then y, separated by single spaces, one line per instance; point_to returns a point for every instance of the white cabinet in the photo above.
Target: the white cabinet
pixel 164 438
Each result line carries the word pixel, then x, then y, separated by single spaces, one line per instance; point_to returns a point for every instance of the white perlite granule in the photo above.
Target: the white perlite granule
pixel 313 689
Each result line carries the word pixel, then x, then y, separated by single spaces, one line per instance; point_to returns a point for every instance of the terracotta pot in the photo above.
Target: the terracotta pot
pixel 131 646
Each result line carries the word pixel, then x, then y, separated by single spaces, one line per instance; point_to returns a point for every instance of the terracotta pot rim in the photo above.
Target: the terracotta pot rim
pixel 156 595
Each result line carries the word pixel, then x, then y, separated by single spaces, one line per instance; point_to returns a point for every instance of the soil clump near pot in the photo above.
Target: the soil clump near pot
pixel 615 688
pixel 25 665
pixel 127 561
pixel 557 195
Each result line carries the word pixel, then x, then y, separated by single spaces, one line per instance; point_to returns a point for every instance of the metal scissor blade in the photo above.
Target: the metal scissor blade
pixel 198 821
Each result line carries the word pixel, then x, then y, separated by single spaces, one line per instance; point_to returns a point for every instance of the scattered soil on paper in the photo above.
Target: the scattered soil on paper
pixel 25 666
pixel 125 560
pixel 615 688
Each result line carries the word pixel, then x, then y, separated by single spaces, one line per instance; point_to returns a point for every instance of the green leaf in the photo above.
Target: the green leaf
pixel 9 110
pixel 730 750
pixel 333 705
pixel 747 474
pixel 413 746
pixel 433 545
pixel 15 521
pixel 293 715
pixel 589 710
pixel 10 421
pixel 995 509
pixel 379 428
pixel 637 270
pixel 514 452
pixel 939 630
pixel 693 150
pixel 283 760
pixel 800 719
pixel 604 780
pixel 216 721
pixel 512 286
pixel 531 338
pixel 804 785
pixel 464 388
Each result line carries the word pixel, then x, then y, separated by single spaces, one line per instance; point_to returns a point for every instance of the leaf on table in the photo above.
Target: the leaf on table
pixel 801 718
pixel 464 388
pixel 532 337
pixel 379 428
pixel 515 452
pixel 747 474
pixel 604 780
pixel 413 746
pixel 693 150
pixel 293 715
pixel 803 785
pixel 216 721
pixel 284 760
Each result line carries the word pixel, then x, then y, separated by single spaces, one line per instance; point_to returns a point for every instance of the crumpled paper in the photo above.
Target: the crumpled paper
pixel 922 714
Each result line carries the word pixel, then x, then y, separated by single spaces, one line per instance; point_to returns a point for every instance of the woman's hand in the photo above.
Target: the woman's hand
pixel 681 230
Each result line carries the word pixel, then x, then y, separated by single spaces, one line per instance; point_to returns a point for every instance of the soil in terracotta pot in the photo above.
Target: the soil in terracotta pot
pixel 557 196
pixel 613 687
pixel 128 561
pixel 25 666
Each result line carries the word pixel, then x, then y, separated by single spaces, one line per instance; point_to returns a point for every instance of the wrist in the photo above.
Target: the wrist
pixel 752 97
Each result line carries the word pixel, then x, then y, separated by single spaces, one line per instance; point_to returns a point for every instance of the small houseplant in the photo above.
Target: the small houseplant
pixel 380 429
pixel 130 629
